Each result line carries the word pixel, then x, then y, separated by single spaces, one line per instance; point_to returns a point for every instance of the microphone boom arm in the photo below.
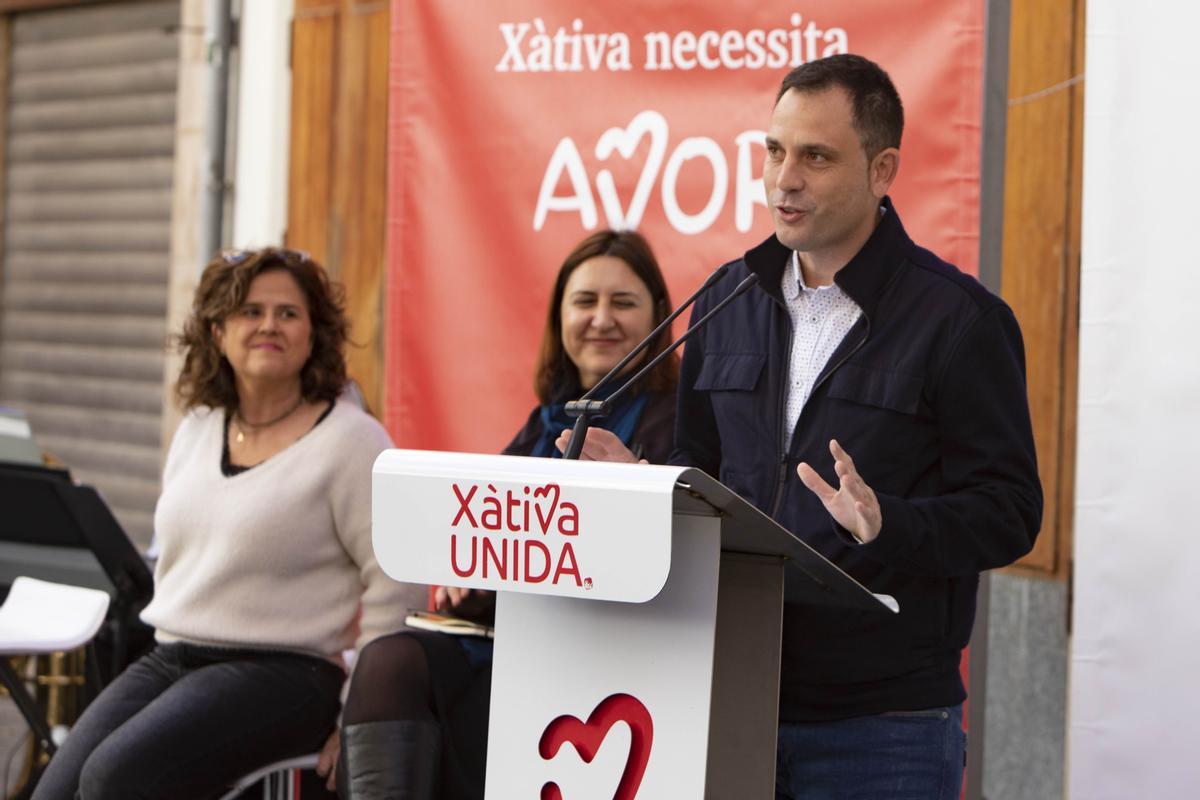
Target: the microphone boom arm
pixel 653 335
pixel 585 409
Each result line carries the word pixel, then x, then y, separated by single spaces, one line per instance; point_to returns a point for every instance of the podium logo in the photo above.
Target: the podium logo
pixel 588 736
pixel 510 511
pixel 522 535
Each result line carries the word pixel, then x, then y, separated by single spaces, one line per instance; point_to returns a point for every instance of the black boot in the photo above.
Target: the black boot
pixel 391 760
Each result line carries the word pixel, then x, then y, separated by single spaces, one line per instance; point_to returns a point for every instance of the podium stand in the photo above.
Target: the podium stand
pixel 628 593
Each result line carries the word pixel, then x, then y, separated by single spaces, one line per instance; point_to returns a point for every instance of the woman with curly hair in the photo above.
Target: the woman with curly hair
pixel 265 558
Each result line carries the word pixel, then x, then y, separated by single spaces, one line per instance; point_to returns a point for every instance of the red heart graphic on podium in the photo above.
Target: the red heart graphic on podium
pixel 588 736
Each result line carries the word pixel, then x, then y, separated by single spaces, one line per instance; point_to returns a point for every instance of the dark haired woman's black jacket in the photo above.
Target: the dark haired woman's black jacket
pixel 654 432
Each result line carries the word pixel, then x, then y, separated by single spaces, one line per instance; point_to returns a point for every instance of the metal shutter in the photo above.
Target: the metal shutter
pixel 83 304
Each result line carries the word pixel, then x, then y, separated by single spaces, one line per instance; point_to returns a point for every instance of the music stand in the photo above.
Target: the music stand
pixel 44 507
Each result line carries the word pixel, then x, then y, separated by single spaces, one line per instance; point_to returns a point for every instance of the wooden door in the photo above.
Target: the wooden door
pixel 337 183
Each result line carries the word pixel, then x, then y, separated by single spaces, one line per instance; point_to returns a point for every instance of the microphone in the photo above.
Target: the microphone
pixel 584 409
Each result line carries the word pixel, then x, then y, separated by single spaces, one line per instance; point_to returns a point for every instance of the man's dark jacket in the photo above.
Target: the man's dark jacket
pixel 927 394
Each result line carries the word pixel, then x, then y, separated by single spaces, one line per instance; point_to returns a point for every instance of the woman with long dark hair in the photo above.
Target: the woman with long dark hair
pixel 416 716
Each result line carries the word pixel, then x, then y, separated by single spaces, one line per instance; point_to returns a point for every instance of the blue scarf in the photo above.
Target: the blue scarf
pixel 622 421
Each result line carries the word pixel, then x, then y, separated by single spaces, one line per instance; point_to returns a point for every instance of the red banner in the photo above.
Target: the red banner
pixel 518 127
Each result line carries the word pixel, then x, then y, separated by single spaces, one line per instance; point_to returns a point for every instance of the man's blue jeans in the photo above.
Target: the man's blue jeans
pixel 907 755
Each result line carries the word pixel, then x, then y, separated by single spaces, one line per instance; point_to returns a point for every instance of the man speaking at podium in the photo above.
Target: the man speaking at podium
pixel 871 399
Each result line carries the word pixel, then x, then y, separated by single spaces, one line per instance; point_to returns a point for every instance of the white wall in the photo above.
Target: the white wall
pixel 263 97
pixel 1135 663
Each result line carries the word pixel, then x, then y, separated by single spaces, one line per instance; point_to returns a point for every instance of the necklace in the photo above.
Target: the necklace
pixel 239 421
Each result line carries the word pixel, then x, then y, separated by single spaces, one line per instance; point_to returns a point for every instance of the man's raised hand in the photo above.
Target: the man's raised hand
pixel 852 505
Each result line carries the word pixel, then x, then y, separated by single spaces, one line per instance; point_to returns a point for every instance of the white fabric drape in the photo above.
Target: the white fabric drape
pixel 1135 661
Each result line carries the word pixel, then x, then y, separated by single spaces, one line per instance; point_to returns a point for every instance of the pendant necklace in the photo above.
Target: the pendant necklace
pixel 239 421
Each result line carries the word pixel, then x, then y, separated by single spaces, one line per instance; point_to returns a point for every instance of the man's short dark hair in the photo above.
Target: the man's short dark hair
pixel 878 114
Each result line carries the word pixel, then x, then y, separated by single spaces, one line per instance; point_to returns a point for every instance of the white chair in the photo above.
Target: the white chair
pixel 282 779
pixel 39 618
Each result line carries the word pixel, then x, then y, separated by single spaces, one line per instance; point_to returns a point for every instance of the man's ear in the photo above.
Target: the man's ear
pixel 883 171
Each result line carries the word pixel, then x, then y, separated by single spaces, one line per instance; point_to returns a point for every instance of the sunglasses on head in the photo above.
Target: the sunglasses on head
pixel 235 257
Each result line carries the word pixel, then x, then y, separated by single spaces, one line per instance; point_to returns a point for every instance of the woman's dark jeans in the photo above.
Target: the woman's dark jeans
pixel 187 721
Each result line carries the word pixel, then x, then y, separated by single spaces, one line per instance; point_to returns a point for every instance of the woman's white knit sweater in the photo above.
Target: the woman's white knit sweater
pixel 278 556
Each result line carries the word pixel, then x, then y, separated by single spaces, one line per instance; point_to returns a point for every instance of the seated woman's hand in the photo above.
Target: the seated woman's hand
pixel 327 760
pixel 477 605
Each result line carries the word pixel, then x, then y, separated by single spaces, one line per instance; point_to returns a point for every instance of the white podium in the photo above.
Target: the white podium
pixel 638 617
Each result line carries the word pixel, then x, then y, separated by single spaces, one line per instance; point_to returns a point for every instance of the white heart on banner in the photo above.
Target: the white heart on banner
pixel 625 141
